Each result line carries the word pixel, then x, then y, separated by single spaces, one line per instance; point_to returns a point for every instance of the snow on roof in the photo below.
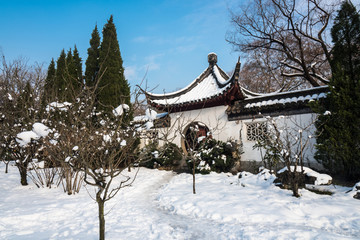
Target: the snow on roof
pixel 203 89
pixel 286 97
pixel 145 118
pixel 212 84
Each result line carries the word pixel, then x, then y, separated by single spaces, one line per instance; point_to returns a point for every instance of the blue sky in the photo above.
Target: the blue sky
pixel 169 38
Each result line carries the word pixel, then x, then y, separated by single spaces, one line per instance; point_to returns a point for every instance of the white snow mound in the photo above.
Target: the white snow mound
pixel 320 177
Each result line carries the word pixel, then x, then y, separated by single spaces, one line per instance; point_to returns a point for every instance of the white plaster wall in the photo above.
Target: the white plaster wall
pixel 216 120
pixel 294 123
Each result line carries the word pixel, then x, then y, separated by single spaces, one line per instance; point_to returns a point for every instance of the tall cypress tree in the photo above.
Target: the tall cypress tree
pixel 61 76
pixel 92 62
pixel 113 87
pixel 70 78
pixel 25 105
pixel 48 94
pixel 78 67
pixel 338 144
pixel 74 75
pixel 346 38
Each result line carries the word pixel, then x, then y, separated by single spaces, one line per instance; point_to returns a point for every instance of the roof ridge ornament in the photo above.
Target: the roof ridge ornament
pixel 212 58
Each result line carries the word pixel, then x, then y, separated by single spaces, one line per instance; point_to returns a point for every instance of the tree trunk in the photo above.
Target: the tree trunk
pixel 295 184
pixel 101 218
pixel 6 167
pixel 23 174
pixel 193 172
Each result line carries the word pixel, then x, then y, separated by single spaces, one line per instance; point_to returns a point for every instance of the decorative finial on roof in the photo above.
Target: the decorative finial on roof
pixel 212 58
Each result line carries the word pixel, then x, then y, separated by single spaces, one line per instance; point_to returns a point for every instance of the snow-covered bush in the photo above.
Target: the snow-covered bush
pixel 286 144
pixel 168 156
pixel 306 176
pixel 214 155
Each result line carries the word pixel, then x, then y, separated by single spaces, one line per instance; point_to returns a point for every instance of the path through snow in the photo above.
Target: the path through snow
pixel 160 205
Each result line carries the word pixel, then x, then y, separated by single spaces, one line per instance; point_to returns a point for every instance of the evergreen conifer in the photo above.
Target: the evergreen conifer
pixel 73 78
pixel 92 62
pixel 61 76
pixel 78 68
pixel 113 87
pixel 338 144
pixel 48 93
pixel 25 105
pixel 70 77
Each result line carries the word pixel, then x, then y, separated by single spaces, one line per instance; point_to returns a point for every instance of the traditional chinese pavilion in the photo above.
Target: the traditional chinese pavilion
pixel 218 105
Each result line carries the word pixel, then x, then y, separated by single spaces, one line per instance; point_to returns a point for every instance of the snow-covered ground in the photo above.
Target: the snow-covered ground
pixel 160 205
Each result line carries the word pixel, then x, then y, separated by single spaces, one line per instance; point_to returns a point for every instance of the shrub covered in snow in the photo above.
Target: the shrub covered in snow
pixel 214 155
pixel 308 176
pixel 168 156
pixel 356 189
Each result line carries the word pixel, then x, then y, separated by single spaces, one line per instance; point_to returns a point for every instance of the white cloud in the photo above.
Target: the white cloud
pixel 141 39
pixel 130 72
pixel 152 62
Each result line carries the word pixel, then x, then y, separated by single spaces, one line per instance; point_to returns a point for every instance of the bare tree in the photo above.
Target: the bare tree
pixel 262 70
pixel 293 30
pixel 287 142
pixel 20 103
pixel 192 133
pixel 99 145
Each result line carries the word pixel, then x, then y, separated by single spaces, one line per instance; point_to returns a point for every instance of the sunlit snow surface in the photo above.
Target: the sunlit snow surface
pixel 160 205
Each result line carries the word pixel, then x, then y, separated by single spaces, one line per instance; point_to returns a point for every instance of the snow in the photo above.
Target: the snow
pixel 58 106
pixel 149 125
pixel 204 89
pixel 25 137
pixel 120 110
pixel 107 138
pixel 281 100
pixel 160 205
pixel 123 143
pixel 320 177
pixel 39 130
pixel 144 118
pixel 150 114
pixel 75 148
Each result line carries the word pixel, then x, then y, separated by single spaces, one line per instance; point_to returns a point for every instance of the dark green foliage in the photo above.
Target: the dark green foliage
pixel 150 153
pixel 65 82
pixel 76 78
pixel 171 155
pixel 93 61
pixel 70 78
pixel 346 38
pixel 271 156
pixel 78 67
pixel 113 87
pixel 214 156
pixel 48 93
pixel 61 76
pixel 338 144
pixel 167 156
pixel 25 110
pixel 18 116
pixel 73 77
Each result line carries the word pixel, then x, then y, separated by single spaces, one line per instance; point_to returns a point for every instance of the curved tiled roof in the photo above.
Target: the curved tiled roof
pixel 212 88
pixel 292 102
pixel 215 88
